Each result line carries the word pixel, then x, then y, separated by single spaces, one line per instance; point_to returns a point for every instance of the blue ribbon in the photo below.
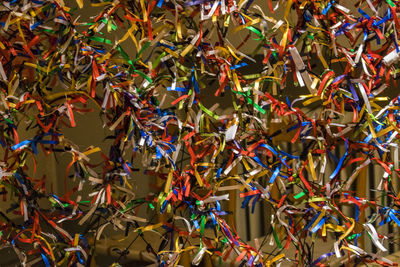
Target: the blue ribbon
pixel 243 64
pixel 33 143
pixel 339 166
pixel 274 175
pixel 393 217
pixel 159 4
pixel 364 14
pixel 45 260
pixel 312 221
pixel 326 9
pixel 319 225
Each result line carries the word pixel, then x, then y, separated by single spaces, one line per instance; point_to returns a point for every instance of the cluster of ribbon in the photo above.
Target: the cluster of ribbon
pixel 147 66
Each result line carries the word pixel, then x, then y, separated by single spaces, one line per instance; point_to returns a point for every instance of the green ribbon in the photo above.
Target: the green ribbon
pixel 146 45
pixel 158 59
pixel 203 225
pixel 101 40
pixel 276 238
pixel 250 101
pixel 257 32
pixel 208 112
pixel 390 3
pixel 299 195
pixel 144 76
